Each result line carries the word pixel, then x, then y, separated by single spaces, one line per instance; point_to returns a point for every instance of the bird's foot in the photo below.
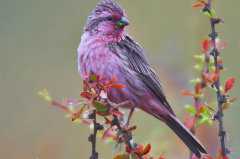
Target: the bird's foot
pixel 129 117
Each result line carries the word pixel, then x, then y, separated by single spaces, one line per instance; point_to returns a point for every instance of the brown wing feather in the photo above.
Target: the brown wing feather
pixel 134 56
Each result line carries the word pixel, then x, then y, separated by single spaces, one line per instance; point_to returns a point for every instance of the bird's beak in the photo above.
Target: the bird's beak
pixel 124 21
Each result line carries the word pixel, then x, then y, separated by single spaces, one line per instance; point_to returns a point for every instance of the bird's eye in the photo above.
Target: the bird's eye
pixel 120 21
pixel 116 17
pixel 110 18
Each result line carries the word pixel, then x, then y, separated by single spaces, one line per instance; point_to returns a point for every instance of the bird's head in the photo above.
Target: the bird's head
pixel 108 18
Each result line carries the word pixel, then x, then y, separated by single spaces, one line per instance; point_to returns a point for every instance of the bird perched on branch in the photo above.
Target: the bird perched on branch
pixel 107 50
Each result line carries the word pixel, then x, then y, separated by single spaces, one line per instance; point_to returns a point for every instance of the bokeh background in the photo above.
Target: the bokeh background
pixel 38 42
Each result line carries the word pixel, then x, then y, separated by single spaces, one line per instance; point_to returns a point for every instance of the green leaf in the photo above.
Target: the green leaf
pixel 211 64
pixel 44 94
pixel 191 109
pixel 213 12
pixel 195 81
pixel 205 117
pixel 93 78
pixel 210 14
pixel 202 120
pixel 212 68
pixel 200 58
pixel 198 67
pixel 211 61
pixel 100 107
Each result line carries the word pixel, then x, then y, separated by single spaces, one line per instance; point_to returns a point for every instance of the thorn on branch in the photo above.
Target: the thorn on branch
pixel 213 35
pixel 217 20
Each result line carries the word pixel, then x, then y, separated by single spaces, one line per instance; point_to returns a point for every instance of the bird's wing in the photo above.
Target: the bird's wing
pixel 134 56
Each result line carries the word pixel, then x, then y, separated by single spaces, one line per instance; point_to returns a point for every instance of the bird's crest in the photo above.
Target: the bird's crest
pixel 104 8
pixel 109 6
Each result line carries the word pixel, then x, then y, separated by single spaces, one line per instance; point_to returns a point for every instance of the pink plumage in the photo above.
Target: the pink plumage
pixel 107 50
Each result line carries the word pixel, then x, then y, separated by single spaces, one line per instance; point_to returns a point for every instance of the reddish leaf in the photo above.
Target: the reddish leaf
pixel 107 121
pixel 220 155
pixel 162 157
pixel 198 88
pixel 210 77
pixel 207 157
pixel 206 44
pixel 113 84
pixel 215 77
pixel 202 109
pixel 77 115
pixel 128 149
pixel 187 93
pixel 229 84
pixel 146 150
pixel 139 150
pixel 117 86
pixel 190 122
pixel 194 157
pixel 117 113
pixel 122 156
pixel 86 95
pixel 199 4
pixel 61 106
pixel 112 81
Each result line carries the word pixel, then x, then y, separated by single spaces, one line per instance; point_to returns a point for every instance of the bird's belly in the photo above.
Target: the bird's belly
pixel 117 95
pixel 108 70
pixel 133 90
pixel 108 66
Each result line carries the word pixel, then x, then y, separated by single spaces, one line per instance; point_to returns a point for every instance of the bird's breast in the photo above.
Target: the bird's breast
pixel 95 56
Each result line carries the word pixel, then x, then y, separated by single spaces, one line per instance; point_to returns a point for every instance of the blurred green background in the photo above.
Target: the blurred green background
pixel 38 42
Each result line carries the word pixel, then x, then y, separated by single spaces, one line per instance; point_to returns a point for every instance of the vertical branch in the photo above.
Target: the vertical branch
pixel 211 74
pixel 221 98
pixel 93 137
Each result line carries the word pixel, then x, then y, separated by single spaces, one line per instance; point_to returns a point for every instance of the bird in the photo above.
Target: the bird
pixel 107 50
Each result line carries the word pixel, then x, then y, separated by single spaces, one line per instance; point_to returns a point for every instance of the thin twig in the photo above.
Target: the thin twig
pixel 220 97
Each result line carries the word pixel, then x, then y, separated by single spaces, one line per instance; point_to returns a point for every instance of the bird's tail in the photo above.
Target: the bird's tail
pixel 185 135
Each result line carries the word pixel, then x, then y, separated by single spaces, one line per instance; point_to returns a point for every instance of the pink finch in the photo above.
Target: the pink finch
pixel 107 50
